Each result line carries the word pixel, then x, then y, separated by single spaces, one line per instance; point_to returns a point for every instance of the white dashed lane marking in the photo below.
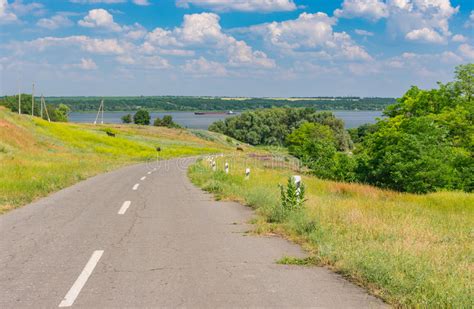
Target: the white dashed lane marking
pixel 135 187
pixel 124 207
pixel 76 288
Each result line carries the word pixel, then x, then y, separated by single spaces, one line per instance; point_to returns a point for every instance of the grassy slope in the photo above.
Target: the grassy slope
pixel 408 249
pixel 37 157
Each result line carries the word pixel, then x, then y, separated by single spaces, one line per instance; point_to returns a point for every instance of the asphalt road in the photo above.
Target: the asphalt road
pixel 121 240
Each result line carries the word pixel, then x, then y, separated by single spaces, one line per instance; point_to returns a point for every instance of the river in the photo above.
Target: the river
pixel 352 119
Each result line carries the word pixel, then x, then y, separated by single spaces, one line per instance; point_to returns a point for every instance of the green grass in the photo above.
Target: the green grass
pixel 38 157
pixel 410 250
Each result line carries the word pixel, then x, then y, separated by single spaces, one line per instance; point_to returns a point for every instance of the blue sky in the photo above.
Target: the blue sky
pixel 275 48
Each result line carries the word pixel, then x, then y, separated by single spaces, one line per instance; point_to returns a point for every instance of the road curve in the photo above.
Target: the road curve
pixel 144 236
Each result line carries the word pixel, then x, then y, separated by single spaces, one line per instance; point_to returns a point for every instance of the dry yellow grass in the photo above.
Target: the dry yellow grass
pixel 411 250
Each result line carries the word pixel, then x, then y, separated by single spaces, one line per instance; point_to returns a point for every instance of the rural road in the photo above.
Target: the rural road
pixel 144 236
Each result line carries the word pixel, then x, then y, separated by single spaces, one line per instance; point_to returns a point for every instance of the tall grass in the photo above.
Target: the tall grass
pixel 38 157
pixel 410 250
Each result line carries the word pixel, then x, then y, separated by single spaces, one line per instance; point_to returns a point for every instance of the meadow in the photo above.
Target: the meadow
pixel 38 157
pixel 410 250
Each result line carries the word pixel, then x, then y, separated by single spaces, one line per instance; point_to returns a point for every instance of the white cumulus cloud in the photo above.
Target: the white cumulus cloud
pixel 99 18
pixel 204 31
pixel 6 16
pixel 311 33
pixel 241 5
pixel 470 22
pixel 423 20
pixel 97 1
pixel 459 38
pixel 85 43
pixel 371 9
pixel 86 64
pixel 54 22
pixel 204 67
pixel 141 2
pixel 425 35
pixel 363 32
pixel 467 51
pixel 426 20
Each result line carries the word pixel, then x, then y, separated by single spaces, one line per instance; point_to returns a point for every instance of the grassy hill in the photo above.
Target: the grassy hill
pixel 38 157
pixel 411 250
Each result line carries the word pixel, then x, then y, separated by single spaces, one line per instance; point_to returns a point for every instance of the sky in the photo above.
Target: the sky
pixel 258 48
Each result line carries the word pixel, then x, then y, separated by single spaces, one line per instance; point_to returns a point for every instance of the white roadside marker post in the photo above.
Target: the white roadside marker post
pixel 297 180
pixel 214 167
pixel 227 168
pixel 247 173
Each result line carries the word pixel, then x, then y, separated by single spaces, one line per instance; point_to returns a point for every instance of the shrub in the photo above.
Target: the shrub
pixel 127 118
pixel 291 199
pixel 167 121
pixel 141 117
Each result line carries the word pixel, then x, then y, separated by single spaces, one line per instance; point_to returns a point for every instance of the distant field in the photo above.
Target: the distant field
pixel 38 157
pixel 176 103
pixel 411 250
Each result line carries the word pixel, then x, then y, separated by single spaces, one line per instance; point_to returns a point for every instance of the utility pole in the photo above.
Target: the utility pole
pixel 33 100
pixel 19 99
pixel 100 112
pixel 43 105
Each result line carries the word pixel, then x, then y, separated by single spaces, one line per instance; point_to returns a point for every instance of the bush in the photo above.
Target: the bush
pixel 291 199
pixel 141 117
pixel 127 118
pixel 412 155
pixel 167 121
pixel 426 143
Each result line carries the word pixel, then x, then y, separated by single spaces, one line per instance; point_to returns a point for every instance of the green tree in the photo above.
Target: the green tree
pixel 11 102
pixel 167 121
pixel 142 117
pixel 465 80
pixel 127 118
pixel 427 142
pixel 272 126
pixel 158 122
pixel 59 113
pixel 315 145
pixel 410 155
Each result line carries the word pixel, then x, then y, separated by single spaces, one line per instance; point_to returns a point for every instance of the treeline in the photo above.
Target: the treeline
pixel 272 126
pixel 425 144
pixel 57 113
pixel 178 103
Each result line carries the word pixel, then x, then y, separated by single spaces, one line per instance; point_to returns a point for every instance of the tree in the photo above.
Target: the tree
pixel 315 145
pixel 167 121
pixel 127 118
pixel 272 126
pixel 11 102
pixel 410 155
pixel 59 113
pixel 141 117
pixel 426 143
pixel 465 80
pixel 158 122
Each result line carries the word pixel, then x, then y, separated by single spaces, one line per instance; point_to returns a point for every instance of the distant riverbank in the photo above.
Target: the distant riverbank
pixel 352 119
